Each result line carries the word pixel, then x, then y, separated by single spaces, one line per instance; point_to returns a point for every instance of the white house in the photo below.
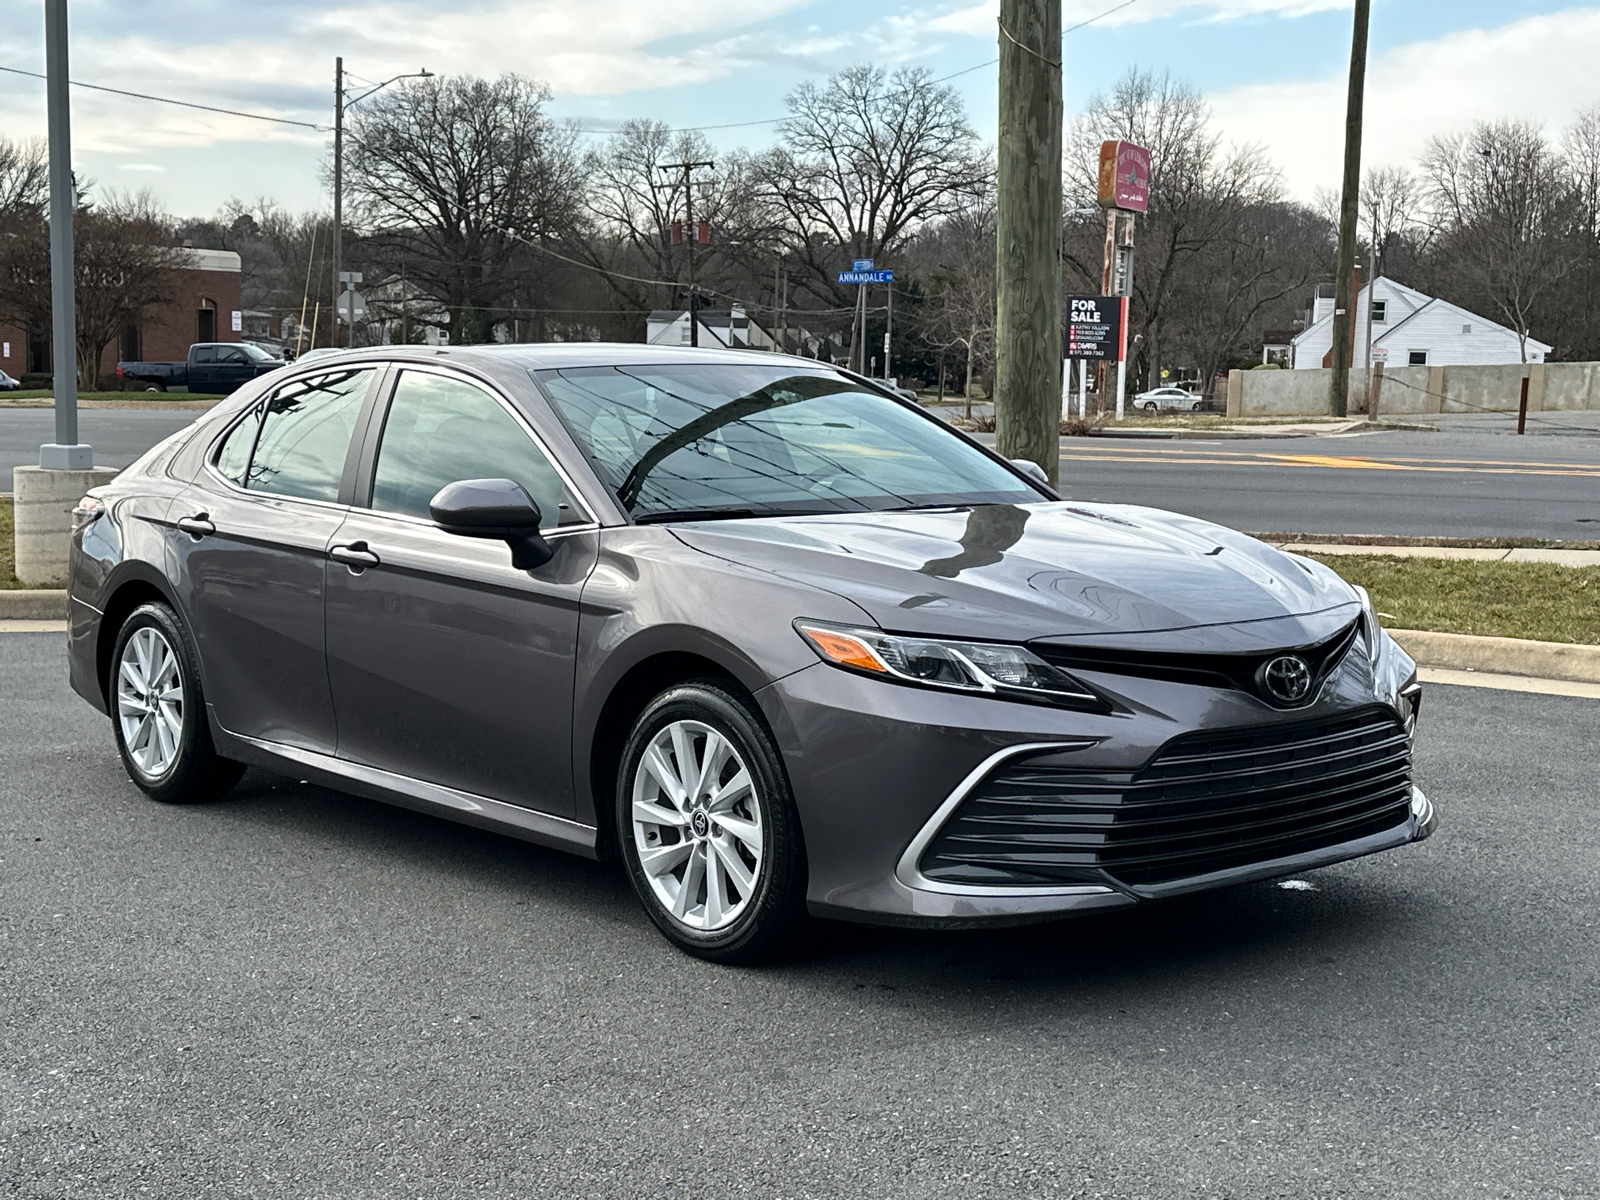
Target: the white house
pixel 718 327
pixel 1410 329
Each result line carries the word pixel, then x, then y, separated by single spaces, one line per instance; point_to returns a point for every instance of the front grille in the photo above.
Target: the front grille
pixel 1206 802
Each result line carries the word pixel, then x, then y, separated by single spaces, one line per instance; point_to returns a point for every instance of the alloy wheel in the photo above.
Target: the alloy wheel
pixel 697 826
pixel 150 701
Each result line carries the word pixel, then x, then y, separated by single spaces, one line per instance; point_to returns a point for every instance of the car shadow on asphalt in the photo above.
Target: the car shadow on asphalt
pixel 1364 908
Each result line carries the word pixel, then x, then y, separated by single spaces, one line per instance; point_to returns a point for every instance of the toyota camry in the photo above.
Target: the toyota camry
pixel 779 641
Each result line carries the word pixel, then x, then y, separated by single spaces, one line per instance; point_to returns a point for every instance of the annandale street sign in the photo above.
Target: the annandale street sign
pixel 866 276
pixel 1096 327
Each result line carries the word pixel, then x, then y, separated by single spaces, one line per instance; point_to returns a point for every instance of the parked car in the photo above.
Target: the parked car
pixel 317 352
pixel 212 367
pixel 1169 398
pixel 781 642
pixel 8 384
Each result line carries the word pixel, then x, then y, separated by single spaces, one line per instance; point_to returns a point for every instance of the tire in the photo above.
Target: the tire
pixel 166 748
pixel 155 387
pixel 1152 407
pixel 756 915
pixel 1197 406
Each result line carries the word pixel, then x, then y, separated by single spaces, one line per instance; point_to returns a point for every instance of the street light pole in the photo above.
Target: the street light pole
pixel 65 453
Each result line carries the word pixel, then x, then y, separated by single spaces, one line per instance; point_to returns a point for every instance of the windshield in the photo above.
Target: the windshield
pixel 256 352
pixel 731 439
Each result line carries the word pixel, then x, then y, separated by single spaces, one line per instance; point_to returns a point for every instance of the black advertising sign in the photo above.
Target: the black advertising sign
pixel 1096 327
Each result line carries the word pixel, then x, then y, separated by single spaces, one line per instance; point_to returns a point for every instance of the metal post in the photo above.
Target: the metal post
pixel 888 332
pixel 1083 388
pixel 66 453
pixel 1344 299
pixel 338 189
pixel 1522 408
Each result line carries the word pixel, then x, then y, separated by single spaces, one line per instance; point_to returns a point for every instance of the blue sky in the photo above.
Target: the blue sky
pixel 1273 70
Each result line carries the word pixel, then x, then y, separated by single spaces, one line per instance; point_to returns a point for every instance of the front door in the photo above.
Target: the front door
pixel 252 544
pixel 447 663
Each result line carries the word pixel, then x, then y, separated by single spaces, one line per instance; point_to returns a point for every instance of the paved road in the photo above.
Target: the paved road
pixel 118 435
pixel 295 993
pixel 1448 484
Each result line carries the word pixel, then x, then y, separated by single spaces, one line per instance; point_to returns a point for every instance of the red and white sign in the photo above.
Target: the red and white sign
pixel 1124 176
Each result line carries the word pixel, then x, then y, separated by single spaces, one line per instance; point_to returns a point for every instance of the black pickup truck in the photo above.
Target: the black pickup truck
pixel 215 368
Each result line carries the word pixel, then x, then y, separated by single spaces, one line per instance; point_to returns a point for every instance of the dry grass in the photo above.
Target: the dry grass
pixel 8 547
pixel 1540 601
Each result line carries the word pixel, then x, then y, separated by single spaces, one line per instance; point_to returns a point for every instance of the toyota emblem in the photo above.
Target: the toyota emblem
pixel 1287 678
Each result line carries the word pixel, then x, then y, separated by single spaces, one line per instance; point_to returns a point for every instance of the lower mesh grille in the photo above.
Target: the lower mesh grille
pixel 1206 802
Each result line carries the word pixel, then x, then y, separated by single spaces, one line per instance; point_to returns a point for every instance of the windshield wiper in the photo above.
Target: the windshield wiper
pixel 702 514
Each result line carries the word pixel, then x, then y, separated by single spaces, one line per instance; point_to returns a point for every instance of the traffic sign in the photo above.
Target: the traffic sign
pixel 861 264
pixel 866 276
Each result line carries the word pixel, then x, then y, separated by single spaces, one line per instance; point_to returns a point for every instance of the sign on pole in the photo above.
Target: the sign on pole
pixel 861 264
pixel 1097 327
pixel 868 276
pixel 1124 176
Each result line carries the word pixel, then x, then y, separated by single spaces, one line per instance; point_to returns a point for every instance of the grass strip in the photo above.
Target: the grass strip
pixel 119 397
pixel 1380 539
pixel 8 547
pixel 1539 601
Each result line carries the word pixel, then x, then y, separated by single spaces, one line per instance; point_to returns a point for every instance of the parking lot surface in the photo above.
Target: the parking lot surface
pixel 297 993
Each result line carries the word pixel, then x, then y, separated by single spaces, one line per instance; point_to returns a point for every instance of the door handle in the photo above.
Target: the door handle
pixel 197 526
pixel 354 555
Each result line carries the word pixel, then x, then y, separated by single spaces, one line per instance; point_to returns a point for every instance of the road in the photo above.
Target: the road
pixel 296 993
pixel 118 435
pixel 1449 484
pixel 1460 482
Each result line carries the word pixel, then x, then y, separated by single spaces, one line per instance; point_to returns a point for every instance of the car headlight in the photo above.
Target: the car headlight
pixel 1371 630
pixel 986 668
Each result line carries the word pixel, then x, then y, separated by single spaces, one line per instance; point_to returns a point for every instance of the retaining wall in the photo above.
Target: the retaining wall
pixel 1551 387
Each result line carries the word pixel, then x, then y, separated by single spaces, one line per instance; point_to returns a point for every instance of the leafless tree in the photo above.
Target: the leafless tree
pixel 456 177
pixel 24 177
pixel 1505 209
pixel 956 258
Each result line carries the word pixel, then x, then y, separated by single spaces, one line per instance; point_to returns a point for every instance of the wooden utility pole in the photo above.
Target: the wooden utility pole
pixel 1027 399
pixel 689 237
pixel 1349 207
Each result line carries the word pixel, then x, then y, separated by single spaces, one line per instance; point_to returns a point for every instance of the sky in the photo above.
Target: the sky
pixel 1273 71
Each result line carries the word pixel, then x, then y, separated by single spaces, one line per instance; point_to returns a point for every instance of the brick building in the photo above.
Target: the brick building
pixel 205 307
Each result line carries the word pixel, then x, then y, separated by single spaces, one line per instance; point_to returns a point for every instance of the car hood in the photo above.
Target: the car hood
pixel 1047 570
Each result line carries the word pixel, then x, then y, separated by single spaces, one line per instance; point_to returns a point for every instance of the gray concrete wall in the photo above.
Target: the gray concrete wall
pixel 1410 390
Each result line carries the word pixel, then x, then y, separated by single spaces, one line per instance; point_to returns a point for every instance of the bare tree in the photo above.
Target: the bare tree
pixel 1581 149
pixel 456 176
pixel 866 160
pixel 24 177
pixel 957 259
pixel 124 256
pixel 1505 209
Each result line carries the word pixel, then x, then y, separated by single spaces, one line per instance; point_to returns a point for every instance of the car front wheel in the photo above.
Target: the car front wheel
pixel 158 712
pixel 708 827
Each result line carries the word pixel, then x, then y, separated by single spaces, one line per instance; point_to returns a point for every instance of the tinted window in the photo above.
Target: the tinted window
pixel 440 430
pixel 232 354
pixel 689 439
pixel 205 354
pixel 305 433
pixel 234 456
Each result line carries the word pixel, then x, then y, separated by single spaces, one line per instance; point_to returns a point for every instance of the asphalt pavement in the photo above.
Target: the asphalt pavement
pixel 297 993
pixel 118 435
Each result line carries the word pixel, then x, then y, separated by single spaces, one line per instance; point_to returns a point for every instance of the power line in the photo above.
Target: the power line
pixel 230 112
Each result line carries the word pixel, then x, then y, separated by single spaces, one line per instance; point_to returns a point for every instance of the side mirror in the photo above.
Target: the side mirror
pixel 494 508
pixel 1031 469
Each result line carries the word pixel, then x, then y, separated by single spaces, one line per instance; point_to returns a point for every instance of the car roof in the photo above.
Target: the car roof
pixel 548 355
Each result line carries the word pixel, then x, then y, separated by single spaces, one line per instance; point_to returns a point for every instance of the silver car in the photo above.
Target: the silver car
pixel 1169 398
pixel 783 644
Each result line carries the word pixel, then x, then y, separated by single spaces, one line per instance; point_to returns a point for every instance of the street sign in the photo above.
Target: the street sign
pixel 1096 327
pixel 1124 176
pixel 861 264
pixel 866 276
pixel 345 310
pixel 348 277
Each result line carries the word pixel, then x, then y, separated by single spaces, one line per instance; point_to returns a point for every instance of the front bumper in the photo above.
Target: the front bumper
pixel 878 769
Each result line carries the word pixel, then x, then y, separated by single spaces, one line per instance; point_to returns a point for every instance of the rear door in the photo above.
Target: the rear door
pixel 447 663
pixel 252 553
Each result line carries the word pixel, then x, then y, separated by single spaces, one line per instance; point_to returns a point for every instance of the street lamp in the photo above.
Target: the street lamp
pixel 339 105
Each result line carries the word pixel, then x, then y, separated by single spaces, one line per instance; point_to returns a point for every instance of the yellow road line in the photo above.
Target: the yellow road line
pixel 1340 463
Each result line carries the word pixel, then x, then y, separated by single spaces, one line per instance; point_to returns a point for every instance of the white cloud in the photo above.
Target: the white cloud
pixel 979 19
pixel 1539 68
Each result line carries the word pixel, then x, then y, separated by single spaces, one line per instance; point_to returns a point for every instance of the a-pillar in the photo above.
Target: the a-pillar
pixel 44 502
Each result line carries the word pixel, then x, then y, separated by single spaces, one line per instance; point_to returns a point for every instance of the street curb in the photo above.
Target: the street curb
pixel 1529 554
pixel 33 604
pixel 1503 656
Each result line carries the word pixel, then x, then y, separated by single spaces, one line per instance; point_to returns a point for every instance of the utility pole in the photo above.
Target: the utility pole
pixel 65 453
pixel 1349 205
pixel 1027 400
pixel 690 235
pixel 338 188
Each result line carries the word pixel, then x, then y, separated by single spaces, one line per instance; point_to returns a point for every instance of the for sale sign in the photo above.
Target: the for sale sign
pixel 1124 176
pixel 1096 327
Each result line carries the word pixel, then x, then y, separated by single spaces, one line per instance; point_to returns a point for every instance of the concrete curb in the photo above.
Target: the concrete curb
pixel 1504 656
pixel 33 604
pixel 1560 558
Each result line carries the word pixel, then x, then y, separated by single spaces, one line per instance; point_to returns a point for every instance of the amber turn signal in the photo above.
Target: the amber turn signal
pixel 843 649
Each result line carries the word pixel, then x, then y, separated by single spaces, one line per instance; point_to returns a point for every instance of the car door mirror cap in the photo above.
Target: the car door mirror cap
pixel 1031 469
pixel 494 508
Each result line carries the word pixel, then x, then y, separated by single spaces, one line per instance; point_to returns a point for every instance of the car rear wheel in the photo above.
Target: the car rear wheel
pixel 158 712
pixel 1197 406
pixel 1151 407
pixel 708 827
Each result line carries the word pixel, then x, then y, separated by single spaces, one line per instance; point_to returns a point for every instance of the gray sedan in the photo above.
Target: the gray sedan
pixel 779 641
